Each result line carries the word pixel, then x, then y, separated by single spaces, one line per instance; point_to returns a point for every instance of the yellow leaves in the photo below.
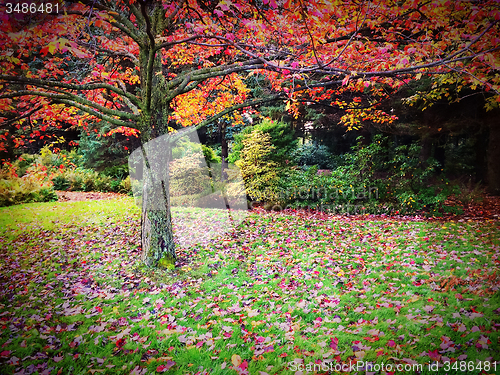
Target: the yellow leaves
pixel 167 332
pixel 414 298
pixel 257 323
pixel 236 360
pixel 52 47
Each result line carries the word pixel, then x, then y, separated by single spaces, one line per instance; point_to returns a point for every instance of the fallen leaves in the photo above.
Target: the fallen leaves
pixel 319 290
pixel 165 367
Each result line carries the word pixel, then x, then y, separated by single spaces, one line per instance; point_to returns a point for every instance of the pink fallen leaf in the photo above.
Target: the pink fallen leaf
pixel 165 367
pixel 334 342
pixel 13 361
pixel 428 308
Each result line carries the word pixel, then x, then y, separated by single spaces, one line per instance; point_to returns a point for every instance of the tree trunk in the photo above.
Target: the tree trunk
pixel 157 239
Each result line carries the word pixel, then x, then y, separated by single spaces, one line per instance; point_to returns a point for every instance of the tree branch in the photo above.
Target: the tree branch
pixel 11 121
pixel 77 87
pixel 74 98
pixel 118 21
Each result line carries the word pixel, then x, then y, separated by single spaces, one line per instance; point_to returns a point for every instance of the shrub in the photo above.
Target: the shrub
pixel 23 163
pixel 210 155
pixel 405 187
pixel 116 171
pixel 125 186
pixel 282 138
pixel 281 135
pixel 258 169
pixel 188 175
pixel 104 183
pixel 32 187
pixel 312 154
pixel 99 151
pixel 61 182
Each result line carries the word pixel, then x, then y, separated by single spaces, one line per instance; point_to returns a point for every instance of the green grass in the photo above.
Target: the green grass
pixel 284 288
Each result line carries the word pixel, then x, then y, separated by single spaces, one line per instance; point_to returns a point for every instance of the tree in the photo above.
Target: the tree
pixel 138 64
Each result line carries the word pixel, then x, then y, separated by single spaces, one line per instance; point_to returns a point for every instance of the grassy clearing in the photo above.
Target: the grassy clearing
pixel 286 292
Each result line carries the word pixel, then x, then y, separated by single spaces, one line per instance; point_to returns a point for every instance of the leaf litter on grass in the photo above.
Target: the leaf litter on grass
pixel 286 290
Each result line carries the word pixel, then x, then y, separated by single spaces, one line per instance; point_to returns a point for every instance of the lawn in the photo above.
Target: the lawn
pixel 284 294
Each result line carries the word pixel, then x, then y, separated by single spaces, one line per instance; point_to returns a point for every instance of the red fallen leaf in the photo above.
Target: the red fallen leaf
pixel 334 342
pixel 98 309
pixel 371 339
pixel 120 342
pixel 5 353
pixel 163 368
pixel 391 343
pixel 434 355
pixel 459 296
pixel 243 365
pixel 283 355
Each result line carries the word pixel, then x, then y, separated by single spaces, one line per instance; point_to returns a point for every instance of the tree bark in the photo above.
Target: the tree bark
pixel 157 239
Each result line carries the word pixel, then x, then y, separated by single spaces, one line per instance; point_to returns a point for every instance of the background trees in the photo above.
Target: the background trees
pixel 149 64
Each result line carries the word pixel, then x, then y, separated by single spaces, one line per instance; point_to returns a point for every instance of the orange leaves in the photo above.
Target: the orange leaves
pixel 62 45
pixel 215 96
pixel 123 130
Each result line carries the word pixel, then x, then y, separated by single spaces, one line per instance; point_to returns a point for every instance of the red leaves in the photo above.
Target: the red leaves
pixel 334 342
pixel 167 366
pixel 434 355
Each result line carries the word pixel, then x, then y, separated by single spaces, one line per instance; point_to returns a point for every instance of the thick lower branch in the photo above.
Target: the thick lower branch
pixel 43 83
pixel 83 104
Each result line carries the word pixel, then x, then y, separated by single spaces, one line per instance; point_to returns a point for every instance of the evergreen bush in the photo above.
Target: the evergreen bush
pixel 258 169
pixel 313 154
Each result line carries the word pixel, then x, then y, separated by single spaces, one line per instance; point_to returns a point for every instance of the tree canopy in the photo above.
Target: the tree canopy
pixel 107 60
